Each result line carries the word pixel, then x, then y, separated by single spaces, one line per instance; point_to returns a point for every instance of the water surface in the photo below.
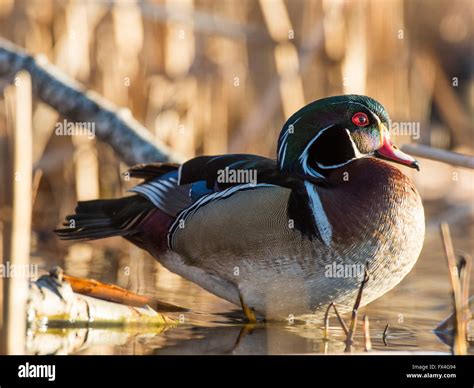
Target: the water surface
pixel 215 326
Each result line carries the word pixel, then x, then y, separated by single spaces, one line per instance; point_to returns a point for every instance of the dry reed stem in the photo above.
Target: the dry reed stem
pixel 367 340
pixel 459 346
pixel 16 287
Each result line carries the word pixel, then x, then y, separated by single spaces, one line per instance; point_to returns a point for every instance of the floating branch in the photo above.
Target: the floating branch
pixel 453 158
pixel 115 126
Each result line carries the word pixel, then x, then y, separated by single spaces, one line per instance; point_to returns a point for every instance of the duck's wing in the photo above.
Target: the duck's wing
pixel 181 191
pixel 173 188
pixel 223 171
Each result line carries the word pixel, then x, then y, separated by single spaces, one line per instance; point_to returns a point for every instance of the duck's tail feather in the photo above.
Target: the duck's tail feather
pixel 106 218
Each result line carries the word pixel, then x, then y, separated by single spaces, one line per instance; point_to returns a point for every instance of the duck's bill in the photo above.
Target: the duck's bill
pixel 391 153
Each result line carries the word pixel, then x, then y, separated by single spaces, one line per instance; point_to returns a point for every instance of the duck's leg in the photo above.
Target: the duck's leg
pixel 248 311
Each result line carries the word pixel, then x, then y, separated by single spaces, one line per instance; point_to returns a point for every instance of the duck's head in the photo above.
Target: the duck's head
pixel 334 131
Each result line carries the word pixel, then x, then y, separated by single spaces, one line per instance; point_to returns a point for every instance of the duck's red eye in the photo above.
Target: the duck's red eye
pixel 360 119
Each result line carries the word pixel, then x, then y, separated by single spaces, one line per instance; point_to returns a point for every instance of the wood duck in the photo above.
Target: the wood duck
pixel 282 237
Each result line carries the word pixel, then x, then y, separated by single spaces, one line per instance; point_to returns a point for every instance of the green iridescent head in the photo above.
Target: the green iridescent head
pixel 334 131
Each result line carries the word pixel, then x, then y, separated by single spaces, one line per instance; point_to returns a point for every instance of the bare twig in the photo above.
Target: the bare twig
pixel 132 142
pixel 349 332
pixel 454 158
pixel 339 318
pixel 326 322
pixel 38 174
pixel 355 311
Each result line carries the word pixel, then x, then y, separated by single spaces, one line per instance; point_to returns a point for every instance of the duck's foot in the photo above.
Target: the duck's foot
pixel 248 312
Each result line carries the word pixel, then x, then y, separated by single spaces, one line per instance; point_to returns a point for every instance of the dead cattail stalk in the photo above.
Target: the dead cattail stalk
pixel 459 345
pixel 16 287
pixel 35 186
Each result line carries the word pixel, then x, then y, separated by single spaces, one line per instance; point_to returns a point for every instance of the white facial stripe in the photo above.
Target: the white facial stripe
pixel 377 118
pixel 303 158
pixel 305 151
pixel 320 218
pixel 282 159
pixel 335 165
pixel 284 143
pixel 282 150
pixel 308 169
pixel 179 174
